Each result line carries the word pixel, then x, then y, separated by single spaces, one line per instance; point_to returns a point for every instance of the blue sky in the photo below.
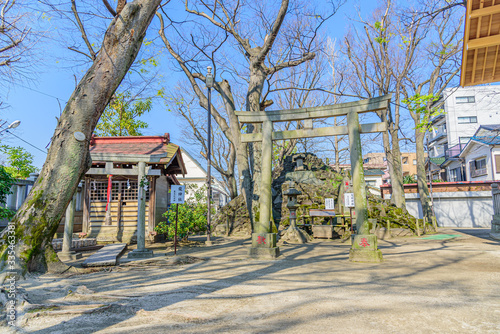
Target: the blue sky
pixel 37 104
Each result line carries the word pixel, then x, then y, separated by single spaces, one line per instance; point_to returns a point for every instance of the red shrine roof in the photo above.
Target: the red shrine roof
pixel 158 148
pixel 145 145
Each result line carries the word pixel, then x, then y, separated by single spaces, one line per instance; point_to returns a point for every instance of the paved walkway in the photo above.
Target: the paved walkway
pixel 424 286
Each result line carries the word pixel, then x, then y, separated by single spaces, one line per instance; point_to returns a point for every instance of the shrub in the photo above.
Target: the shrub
pixel 192 214
pixel 6 182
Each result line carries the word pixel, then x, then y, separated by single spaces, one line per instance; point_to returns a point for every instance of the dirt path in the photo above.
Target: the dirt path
pixel 424 286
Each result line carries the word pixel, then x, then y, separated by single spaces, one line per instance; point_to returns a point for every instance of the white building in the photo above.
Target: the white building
pixel 465 109
pixel 481 156
pixel 196 174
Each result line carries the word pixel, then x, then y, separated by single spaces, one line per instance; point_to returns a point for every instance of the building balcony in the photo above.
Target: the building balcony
pixel 454 151
pixel 478 172
pixel 437 134
pixel 437 118
pixel 437 152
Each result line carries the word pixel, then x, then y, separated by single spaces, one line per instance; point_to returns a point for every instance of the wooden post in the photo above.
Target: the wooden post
pixel 119 213
pixel 358 174
pixel 264 225
pixel 86 207
pixel 141 207
pixel 152 205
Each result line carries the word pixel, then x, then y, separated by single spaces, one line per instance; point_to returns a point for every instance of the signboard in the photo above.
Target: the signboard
pixel 349 200
pixel 177 194
pixel 329 204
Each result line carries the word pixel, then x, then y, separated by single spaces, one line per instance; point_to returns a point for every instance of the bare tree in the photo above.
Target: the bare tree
pixel 183 103
pixel 409 52
pixel 371 57
pixel 16 42
pixel 68 158
pixel 229 34
pixel 438 38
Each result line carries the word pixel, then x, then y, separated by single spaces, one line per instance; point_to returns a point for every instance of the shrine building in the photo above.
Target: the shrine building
pixel 110 199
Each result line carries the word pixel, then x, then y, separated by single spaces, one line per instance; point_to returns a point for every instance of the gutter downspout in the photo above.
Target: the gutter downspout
pixel 492 168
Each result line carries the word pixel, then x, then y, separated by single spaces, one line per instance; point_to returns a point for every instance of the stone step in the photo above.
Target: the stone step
pixel 76 243
pixel 106 256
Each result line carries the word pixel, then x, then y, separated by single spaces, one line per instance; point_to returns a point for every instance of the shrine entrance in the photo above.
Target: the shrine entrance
pixel 364 246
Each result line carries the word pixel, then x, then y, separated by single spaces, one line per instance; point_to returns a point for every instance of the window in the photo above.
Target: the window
pixel 455 175
pixel 497 164
pixel 384 159
pixel 127 189
pixel 405 160
pixel 467 119
pixel 367 160
pixel 478 167
pixel 371 183
pixel 414 161
pixel 465 99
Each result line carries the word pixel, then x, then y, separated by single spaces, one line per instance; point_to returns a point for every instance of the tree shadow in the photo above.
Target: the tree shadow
pixel 322 258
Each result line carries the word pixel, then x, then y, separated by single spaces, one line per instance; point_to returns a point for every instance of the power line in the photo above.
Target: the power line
pixel 37 91
pixel 26 141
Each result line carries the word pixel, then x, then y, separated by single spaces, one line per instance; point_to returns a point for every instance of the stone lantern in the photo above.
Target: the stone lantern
pixel 299 161
pixel 292 204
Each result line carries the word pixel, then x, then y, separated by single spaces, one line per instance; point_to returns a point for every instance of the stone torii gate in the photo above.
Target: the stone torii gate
pixel 364 247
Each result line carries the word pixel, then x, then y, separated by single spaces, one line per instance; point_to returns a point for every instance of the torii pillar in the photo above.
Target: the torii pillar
pixel 263 240
pixel 364 247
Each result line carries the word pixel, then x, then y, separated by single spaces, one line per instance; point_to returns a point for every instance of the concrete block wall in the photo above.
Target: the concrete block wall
pixel 457 209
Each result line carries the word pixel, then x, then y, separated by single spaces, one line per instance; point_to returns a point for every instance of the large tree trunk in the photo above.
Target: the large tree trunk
pixel 423 189
pixel 68 159
pixel 231 179
pixel 393 157
pixel 398 193
pixel 244 172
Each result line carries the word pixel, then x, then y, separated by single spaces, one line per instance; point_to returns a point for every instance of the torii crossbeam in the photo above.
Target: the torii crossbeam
pixel 364 247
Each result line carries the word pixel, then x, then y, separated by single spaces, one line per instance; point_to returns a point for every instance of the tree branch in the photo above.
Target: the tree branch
pixel 82 30
pixel 308 56
pixel 269 41
pixel 108 6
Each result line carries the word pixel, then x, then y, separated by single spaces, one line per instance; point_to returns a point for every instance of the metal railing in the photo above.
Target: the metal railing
pixel 454 150
pixel 437 152
pixel 478 172
pixel 438 133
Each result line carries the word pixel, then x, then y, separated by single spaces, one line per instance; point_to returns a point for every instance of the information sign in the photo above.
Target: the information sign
pixel 177 194
pixel 329 204
pixel 349 200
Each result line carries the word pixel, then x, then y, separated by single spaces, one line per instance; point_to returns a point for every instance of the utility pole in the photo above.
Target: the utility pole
pixel 210 84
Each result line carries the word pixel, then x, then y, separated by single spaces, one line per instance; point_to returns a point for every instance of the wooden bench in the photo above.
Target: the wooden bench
pixel 321 213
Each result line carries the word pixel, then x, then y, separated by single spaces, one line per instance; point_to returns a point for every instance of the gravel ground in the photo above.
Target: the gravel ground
pixel 423 286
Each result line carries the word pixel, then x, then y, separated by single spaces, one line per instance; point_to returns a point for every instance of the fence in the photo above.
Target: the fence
pixel 20 191
pixel 495 192
pixel 456 204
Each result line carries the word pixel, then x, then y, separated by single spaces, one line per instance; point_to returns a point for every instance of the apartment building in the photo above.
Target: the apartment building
pixel 464 110
pixel 378 160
